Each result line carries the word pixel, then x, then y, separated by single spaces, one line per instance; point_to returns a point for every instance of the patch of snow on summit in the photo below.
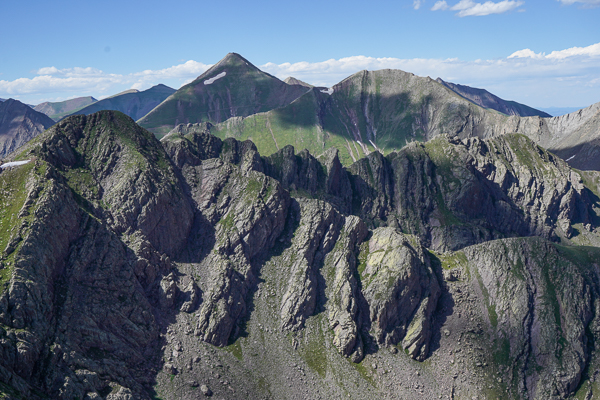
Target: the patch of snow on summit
pixel 214 78
pixel 328 91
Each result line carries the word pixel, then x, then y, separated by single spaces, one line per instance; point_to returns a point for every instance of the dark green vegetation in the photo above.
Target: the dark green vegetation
pixel 133 103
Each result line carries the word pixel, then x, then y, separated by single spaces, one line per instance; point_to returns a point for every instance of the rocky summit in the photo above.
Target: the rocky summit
pixel 194 267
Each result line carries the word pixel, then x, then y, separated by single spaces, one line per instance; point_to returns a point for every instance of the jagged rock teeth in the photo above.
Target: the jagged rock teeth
pixel 343 292
pixel 318 230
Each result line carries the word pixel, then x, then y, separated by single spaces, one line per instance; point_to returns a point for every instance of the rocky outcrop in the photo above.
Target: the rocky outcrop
pixel 19 124
pixel 125 172
pixel 251 212
pixel 89 276
pixel 318 230
pixel 540 307
pixel 454 193
pixel 343 290
pixel 401 289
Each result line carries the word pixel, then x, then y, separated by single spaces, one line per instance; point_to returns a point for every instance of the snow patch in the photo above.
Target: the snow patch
pixel 214 78
pixel 328 91
pixel 13 164
pixel 570 158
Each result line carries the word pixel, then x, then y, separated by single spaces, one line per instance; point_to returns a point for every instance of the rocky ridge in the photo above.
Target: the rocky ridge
pixel 133 103
pixel 57 110
pixel 195 265
pixel 485 99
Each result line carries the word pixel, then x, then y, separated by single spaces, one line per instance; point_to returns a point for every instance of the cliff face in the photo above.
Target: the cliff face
pixel 19 124
pixel 138 269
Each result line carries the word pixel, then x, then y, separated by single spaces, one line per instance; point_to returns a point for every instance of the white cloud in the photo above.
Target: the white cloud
pixel 585 3
pixel 526 53
pixel 91 80
pixel 439 5
pixel 468 8
pixel 589 51
pixel 417 4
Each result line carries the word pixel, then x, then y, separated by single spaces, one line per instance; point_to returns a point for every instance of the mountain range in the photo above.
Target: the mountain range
pixel 389 237
pixel 194 266
pixel 57 110
pixel 133 103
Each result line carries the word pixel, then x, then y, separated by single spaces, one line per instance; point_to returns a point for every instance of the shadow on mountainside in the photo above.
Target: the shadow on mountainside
pixel 585 156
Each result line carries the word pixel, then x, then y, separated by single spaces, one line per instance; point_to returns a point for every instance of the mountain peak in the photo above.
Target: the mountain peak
pixel 232 63
pixel 290 80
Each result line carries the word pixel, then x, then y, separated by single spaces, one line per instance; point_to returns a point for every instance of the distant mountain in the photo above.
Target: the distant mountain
pixel 575 137
pixel 387 109
pixel 132 102
pixel 293 81
pixel 19 123
pixel 1 100
pixel 558 111
pixel 485 99
pixel 231 88
pixel 57 110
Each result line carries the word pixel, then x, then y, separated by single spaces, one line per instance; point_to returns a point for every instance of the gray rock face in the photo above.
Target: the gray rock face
pixel 134 178
pixel 19 124
pixel 539 306
pixel 251 214
pixel 343 290
pixel 454 193
pixel 90 272
pixel 401 289
pixel 318 229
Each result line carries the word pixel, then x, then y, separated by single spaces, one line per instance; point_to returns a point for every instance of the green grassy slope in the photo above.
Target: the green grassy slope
pixel 382 109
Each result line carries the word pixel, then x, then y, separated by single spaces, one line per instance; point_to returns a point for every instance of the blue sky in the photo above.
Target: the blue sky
pixel 541 53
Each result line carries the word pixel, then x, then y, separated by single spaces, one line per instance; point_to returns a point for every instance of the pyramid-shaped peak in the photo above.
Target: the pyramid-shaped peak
pixel 234 60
